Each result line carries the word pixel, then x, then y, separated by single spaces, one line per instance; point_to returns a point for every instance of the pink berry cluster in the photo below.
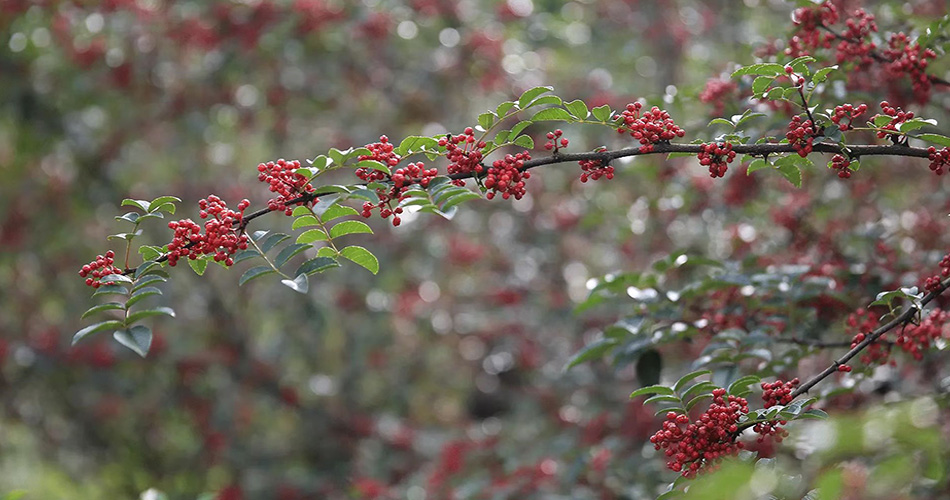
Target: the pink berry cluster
pixel 847 112
pixel 808 21
pixel 506 176
pixel 778 392
pixel 916 338
pixel 219 239
pixel 692 445
pixel 801 135
pixel 865 321
pixel 843 165
pixel 595 169
pixel 899 116
pixel 716 156
pixel 101 266
pixel 856 45
pixel 402 179
pixel 933 282
pixel 652 127
pixel 938 159
pixel 382 152
pixel 910 59
pixel 464 153
pixel 285 181
pixel 555 140
pixel 716 93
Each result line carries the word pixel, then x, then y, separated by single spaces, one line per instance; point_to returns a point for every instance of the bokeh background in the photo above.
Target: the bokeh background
pixel 445 371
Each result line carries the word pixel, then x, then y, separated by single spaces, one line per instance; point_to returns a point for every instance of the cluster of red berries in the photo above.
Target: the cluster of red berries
pixel 796 80
pixel 555 140
pixel 653 127
pixel 801 135
pixel 464 154
pixel 382 152
pixel 915 338
pixel 856 45
pixel 506 176
pixel 285 181
pixel 898 117
pixel 778 392
pixel 715 92
pixel 865 321
pixel 402 179
pixel 849 112
pixel 219 239
pixel 938 159
pixel 716 157
pixel 842 165
pixel 809 20
pixel 690 446
pixel 910 59
pixel 595 169
pixel 933 283
pixel 99 267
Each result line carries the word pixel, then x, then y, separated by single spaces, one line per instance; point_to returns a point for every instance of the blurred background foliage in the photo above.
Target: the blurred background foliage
pixel 446 371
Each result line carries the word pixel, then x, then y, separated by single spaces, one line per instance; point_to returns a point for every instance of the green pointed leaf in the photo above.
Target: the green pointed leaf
pixel 742 384
pixel 767 69
pixel 746 117
pixel 529 95
pixel 349 227
pixel 594 350
pixel 326 252
pixel 373 164
pixel 685 379
pixel 601 113
pixel 254 272
pixel 789 169
pixel 96 328
pixel 162 203
pixel 518 128
pixel 525 141
pixel 300 284
pixel 881 120
pixel 552 114
pixel 503 108
pixel 459 198
pixel 128 217
pixel 147 280
pixel 198 265
pixel 288 253
pixel 822 74
pixel 111 290
pixel 298 211
pixel 141 204
pixel 271 241
pixel 305 221
pixel 243 255
pixel 361 256
pixel 317 265
pixel 814 413
pixel 653 389
pixel 108 306
pixel 148 313
pixel 486 120
pixel 150 268
pixel 311 235
pixel 675 409
pixel 699 388
pixel 546 100
pixel 696 400
pixel 719 121
pixel 662 398
pixel 142 294
pixel 149 252
pixel 938 139
pixel 799 64
pixel 125 236
pixel 761 83
pixel 138 339
pixel 757 164
pixel 578 108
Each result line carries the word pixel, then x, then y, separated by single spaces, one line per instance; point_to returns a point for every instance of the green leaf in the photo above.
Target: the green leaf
pixel 298 211
pixel 121 278
pixel 311 235
pixel 518 128
pixel 552 114
pixel 272 240
pixel 142 204
pixel 327 252
pixel 96 328
pixel 746 117
pixel 693 402
pixel 317 265
pixel 790 170
pixel 149 252
pixel 337 211
pixel 300 284
pixel 524 141
pixel 147 313
pixel 938 139
pixel 142 294
pixel 243 255
pixel 915 123
pixel 822 74
pixel 662 398
pixel 688 377
pixel 111 290
pixel 138 339
pixel 757 164
pixel 459 198
pixel 595 350
pixel 147 280
pixel 349 227
pixel 813 413
pixel 881 120
pixel 125 236
pixel 602 113
pixel 361 256
pixel 699 388
pixel 504 107
pixel 530 94
pixel 150 268
pixel 546 100
pixel 486 120
pixel 674 409
pixel 578 108
pixel 761 83
pixel 305 221
pixel 373 164
pixel 108 306
pixel 719 121
pixel 799 63
pixel 767 69
pixel 254 272
pixel 160 202
pixel 741 384
pixel 128 217
pixel 653 389
pixel 288 252
pixel 198 265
